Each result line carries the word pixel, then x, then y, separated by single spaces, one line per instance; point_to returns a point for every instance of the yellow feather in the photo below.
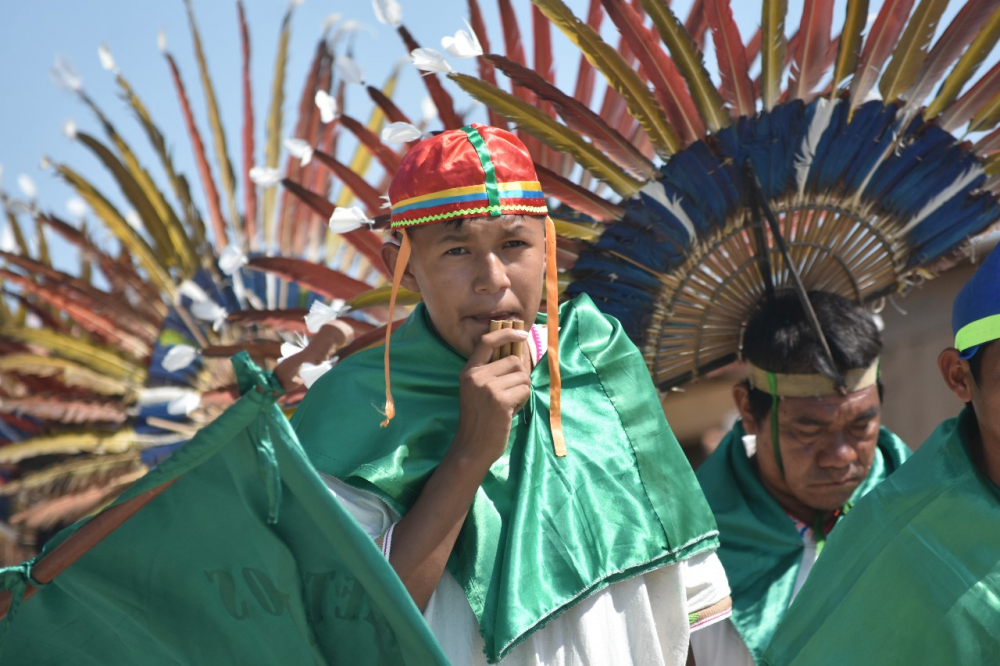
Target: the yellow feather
pixel 272 145
pixel 119 442
pixel 689 61
pixel 773 45
pixel 911 51
pixel 379 297
pixel 68 372
pixel 577 230
pixel 560 137
pixel 182 243
pixel 850 42
pixel 135 243
pixel 966 66
pixel 619 74
pixel 96 358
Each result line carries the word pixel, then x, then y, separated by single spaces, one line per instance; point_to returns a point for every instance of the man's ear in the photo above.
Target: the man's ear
pixel 390 254
pixel 741 396
pixel 956 374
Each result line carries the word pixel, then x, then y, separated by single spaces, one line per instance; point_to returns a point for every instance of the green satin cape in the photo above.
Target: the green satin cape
pixel 760 548
pixel 543 532
pixel 914 576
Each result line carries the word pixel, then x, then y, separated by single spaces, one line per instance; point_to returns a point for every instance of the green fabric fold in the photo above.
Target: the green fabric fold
pixel 760 548
pixel 913 574
pixel 543 532
pixel 209 572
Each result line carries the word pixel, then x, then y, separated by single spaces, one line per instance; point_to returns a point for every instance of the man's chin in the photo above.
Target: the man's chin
pixel 831 498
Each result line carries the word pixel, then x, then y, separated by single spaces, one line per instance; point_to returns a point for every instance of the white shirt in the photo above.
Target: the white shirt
pixel 642 620
pixel 720 644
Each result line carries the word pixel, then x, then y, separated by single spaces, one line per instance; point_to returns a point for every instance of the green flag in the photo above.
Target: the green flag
pixel 246 559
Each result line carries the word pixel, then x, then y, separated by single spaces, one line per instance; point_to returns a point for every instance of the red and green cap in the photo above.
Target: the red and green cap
pixel 474 171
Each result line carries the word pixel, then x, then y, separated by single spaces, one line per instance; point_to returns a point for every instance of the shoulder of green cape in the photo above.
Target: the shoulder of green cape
pixel 937 513
pixel 344 403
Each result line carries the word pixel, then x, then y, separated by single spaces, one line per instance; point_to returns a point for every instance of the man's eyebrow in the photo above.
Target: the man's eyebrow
pixel 867 415
pixel 453 237
pixel 810 421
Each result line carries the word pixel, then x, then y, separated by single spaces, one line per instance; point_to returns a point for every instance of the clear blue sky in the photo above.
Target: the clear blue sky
pixel 33 109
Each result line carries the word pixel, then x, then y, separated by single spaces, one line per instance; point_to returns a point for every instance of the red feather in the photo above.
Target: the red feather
pixel 658 68
pixel 969 104
pixel 879 45
pixel 697 23
pixel 318 278
pixel 293 168
pixel 732 58
pixel 514 48
pixel 47 320
pixel 367 243
pixel 486 72
pixel 579 118
pixel 355 183
pixel 366 340
pixel 79 309
pixel 306 225
pixel 388 107
pixel 753 46
pixel 204 170
pixel 586 75
pixel 249 189
pixel 121 277
pixel 807 70
pixel 284 321
pixel 989 144
pixel 541 29
pixel 577 197
pixel 122 313
pixel 385 155
pixel 442 100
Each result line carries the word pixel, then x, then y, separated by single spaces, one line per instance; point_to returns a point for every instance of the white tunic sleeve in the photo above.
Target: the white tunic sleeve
pixel 374 515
